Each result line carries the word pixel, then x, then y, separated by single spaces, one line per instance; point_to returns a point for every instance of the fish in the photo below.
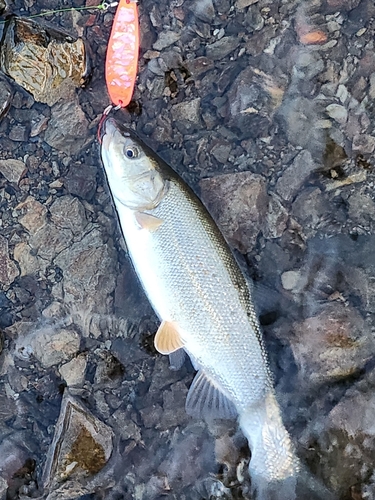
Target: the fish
pixel 203 301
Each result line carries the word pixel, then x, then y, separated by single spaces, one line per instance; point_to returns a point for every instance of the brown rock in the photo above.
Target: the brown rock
pixel 68 212
pixel 34 214
pixel 238 203
pixel 49 241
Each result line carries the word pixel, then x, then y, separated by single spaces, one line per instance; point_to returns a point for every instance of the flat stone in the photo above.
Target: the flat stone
pixel 74 371
pixel 81 181
pixel 34 214
pixel 238 203
pixel 69 213
pixel 8 269
pixel 68 127
pixel 222 48
pixel 295 175
pixel 12 170
pixel 165 39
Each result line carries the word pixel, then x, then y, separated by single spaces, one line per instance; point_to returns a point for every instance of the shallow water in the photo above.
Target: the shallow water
pixel 266 109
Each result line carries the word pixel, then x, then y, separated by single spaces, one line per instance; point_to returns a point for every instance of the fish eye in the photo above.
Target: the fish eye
pixel 131 152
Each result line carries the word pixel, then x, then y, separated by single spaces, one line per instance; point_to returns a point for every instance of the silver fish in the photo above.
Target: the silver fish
pixel 202 299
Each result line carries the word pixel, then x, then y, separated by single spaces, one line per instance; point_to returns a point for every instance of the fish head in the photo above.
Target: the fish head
pixel 132 172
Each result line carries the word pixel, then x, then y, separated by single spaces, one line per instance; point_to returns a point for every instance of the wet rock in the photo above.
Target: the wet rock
pixel 334 344
pixel 89 272
pixel 364 143
pixel 13 170
pixel 47 63
pixel 238 203
pixel 361 207
pixel 165 39
pixel 81 181
pixel 247 100
pixel 67 129
pixel 82 445
pixel 295 175
pixel 8 269
pixel 34 214
pixel 276 219
pixel 222 48
pixel 68 212
pixel 74 372
pixel 187 115
pixel 50 240
pixel 49 345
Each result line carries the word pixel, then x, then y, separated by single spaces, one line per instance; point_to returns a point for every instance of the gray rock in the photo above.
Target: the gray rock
pixel 81 181
pixel 277 218
pixel 222 48
pixel 12 170
pixel 28 262
pixel 295 175
pixel 355 414
pixel 332 345
pixel 49 345
pixel 199 66
pixel 313 210
pixel 3 488
pixel 165 39
pixel 68 127
pixel 203 10
pixel 364 143
pixel 69 213
pixel 19 133
pixel 8 269
pixel 89 272
pixel 290 279
pixel 361 207
pixel 238 203
pixel 187 115
pixel 338 113
pixel 242 4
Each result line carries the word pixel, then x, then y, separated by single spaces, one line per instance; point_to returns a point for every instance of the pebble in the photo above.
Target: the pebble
pixel 364 143
pixel 289 279
pixel 338 113
pixel 187 115
pixel 13 170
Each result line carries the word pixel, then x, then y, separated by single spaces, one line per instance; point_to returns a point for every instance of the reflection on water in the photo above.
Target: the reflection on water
pixel 267 109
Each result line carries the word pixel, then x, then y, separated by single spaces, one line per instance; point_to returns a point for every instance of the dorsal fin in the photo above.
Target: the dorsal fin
pixel 167 338
pixel 205 400
pixel 148 221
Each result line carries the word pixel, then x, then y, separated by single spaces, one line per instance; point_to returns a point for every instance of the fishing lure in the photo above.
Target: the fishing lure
pixel 122 54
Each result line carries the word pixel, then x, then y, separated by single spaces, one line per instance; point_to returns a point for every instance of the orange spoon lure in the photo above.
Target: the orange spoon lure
pixel 122 54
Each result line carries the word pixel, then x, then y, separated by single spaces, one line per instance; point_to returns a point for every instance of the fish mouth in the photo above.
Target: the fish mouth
pixel 107 126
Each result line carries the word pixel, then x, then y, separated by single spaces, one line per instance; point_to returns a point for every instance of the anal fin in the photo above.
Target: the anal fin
pixel 205 400
pixel 167 338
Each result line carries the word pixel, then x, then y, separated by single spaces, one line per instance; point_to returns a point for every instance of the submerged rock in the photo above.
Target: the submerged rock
pixel 81 447
pixel 46 62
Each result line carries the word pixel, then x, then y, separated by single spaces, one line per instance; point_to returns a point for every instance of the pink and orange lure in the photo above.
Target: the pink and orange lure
pixel 122 54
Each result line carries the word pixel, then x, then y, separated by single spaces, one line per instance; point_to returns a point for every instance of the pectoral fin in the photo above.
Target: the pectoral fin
pixel 167 338
pixel 148 221
pixel 205 400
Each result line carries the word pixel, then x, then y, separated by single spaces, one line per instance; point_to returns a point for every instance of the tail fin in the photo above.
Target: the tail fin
pixel 273 464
